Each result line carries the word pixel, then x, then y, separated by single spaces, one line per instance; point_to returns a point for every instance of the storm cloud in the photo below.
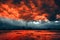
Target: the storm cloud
pixel 22 24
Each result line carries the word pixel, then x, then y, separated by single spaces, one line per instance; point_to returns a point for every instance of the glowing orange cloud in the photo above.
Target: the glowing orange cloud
pixel 58 16
pixel 22 11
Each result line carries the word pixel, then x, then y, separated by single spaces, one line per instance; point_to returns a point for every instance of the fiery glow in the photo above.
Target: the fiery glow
pixel 29 35
pixel 22 11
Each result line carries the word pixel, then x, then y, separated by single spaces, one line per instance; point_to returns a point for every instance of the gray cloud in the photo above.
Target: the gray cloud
pixel 21 24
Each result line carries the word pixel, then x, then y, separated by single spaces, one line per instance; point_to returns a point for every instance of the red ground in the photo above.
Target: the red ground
pixel 29 35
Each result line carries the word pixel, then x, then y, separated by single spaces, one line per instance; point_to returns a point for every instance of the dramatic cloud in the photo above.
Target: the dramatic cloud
pixel 22 24
pixel 27 14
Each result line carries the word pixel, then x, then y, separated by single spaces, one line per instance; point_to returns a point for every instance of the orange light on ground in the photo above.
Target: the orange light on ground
pixel 30 35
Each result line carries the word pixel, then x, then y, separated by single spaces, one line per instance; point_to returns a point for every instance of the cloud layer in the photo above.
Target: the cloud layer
pixel 21 24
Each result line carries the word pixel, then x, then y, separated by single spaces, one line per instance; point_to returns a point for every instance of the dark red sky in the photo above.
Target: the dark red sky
pixel 50 7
